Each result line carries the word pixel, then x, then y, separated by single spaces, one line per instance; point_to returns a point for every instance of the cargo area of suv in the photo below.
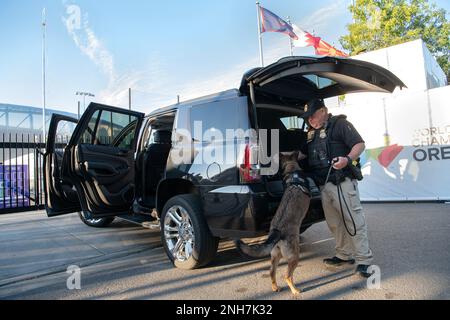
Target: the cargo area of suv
pixel 122 163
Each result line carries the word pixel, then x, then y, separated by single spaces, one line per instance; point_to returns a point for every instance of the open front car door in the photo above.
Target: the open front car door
pixel 60 194
pixel 100 160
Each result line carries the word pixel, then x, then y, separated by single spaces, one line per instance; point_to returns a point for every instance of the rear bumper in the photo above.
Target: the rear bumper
pixel 246 211
pixel 237 211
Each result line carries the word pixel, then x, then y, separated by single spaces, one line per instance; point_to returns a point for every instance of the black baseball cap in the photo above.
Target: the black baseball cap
pixel 311 107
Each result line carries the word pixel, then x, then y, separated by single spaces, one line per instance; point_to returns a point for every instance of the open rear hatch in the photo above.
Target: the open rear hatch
pixel 296 80
pixel 293 81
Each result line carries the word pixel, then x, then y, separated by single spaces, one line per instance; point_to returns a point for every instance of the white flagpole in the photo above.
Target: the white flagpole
pixel 258 13
pixel 291 45
pixel 44 25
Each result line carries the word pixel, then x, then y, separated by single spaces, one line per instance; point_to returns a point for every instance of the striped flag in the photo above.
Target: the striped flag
pixel 270 22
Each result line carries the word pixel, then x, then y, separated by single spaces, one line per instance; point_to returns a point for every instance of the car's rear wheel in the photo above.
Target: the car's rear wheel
pixel 185 234
pixel 96 222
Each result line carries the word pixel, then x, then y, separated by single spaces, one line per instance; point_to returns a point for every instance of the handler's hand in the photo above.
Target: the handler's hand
pixel 340 163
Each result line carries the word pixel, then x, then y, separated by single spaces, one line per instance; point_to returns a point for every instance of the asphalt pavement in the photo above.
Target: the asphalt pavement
pixel 124 261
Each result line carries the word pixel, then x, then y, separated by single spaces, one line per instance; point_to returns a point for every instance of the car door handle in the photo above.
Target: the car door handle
pixel 95 167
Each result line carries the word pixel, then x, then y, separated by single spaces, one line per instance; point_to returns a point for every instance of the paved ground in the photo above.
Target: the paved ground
pixel 410 243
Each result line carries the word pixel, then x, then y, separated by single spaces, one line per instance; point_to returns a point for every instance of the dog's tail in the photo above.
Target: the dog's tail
pixel 259 250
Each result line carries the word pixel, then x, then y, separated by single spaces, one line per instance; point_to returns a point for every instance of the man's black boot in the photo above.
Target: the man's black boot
pixel 362 270
pixel 336 262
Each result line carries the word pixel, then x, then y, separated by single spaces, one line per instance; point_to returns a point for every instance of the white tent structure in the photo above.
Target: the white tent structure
pixel 407 133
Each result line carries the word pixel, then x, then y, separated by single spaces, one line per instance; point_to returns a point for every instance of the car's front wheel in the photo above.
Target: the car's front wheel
pixel 96 222
pixel 185 234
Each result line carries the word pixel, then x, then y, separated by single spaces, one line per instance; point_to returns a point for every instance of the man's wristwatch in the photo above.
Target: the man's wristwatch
pixel 350 161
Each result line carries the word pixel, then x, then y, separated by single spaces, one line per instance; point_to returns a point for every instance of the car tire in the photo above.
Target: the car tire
pixel 185 234
pixel 96 223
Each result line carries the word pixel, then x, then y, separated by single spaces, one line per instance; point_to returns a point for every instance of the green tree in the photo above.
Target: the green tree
pixel 381 23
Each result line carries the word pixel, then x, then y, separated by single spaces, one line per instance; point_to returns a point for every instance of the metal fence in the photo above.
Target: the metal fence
pixel 21 172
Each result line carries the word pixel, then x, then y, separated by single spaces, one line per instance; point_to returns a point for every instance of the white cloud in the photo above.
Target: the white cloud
pixel 153 87
pixel 233 76
pixel 90 45
pixel 319 20
pixel 116 90
pixel 164 91
pixel 149 82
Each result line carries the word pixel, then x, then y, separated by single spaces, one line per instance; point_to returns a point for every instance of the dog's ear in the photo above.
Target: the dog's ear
pixel 284 155
pixel 297 155
pixel 301 156
pixel 294 155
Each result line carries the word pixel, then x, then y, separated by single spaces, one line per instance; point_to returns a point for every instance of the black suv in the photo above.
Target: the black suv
pixel 123 163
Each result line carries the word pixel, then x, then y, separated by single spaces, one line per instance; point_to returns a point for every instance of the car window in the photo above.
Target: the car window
pixel 162 122
pixel 125 139
pixel 320 82
pixel 147 136
pixel 217 116
pixel 150 137
pixel 293 122
pixel 110 129
pixel 88 134
pixel 112 125
pixel 64 131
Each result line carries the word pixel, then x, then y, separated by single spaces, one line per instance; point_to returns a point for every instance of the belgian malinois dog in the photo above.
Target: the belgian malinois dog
pixel 284 235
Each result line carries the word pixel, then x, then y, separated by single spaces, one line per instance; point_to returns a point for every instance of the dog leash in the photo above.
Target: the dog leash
pixel 339 192
pixel 329 172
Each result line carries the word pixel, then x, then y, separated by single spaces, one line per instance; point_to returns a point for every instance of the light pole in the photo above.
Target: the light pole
pixel 84 95
pixel 44 102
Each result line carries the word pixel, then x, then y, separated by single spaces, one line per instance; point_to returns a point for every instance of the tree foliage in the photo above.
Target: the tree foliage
pixel 381 23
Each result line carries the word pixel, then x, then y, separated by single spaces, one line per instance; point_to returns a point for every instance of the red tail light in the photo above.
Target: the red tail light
pixel 249 173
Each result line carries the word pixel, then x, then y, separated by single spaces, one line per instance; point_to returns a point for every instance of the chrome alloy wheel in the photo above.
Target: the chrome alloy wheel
pixel 92 220
pixel 179 233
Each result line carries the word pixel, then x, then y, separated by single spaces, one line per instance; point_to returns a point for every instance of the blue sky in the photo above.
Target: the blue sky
pixel 158 48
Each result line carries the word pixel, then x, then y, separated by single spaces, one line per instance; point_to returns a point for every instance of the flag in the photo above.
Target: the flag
pixel 325 49
pixel 270 22
pixel 306 39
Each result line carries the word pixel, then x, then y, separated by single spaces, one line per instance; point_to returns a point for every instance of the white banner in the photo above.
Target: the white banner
pixel 408 145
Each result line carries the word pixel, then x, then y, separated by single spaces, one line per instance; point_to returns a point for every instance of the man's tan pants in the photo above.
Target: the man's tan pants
pixel 347 247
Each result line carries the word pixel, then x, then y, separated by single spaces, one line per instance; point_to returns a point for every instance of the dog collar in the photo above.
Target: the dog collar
pixel 295 179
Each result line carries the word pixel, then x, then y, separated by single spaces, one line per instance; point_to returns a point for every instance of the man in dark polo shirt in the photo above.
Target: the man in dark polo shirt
pixel 333 139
